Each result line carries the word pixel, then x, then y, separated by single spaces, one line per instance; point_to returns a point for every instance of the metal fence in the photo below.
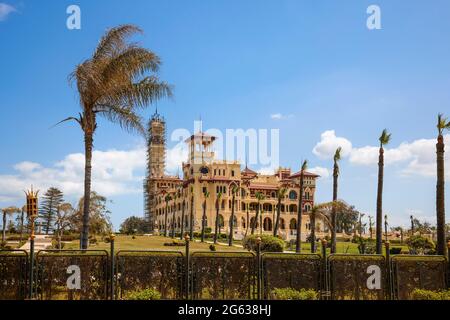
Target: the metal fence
pixel 223 275
pixel 13 274
pixel 421 272
pixel 358 277
pixel 160 270
pixel 97 274
pixel 71 275
pixel 296 271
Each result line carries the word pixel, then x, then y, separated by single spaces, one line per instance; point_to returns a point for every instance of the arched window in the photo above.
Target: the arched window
pixel 252 222
pixel 292 195
pixel 267 225
pixel 307 207
pixel 282 225
pixel 293 224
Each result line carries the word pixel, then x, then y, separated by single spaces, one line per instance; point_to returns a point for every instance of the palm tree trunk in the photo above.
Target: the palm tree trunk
pixel 165 221
pixel 255 220
pixel 313 233
pixel 298 242
pixel 182 220
pixel 21 226
pixel 4 227
pixel 277 220
pixel 230 240
pixel 173 223
pixel 247 224
pixel 191 218
pixel 379 218
pixel 203 221
pixel 88 142
pixel 334 213
pixel 440 196
pixel 216 226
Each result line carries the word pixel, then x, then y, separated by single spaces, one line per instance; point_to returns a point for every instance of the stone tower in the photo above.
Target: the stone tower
pixel 156 157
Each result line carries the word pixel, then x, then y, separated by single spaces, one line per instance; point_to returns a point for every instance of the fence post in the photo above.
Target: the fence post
pixel 258 268
pixel 186 267
pixel 112 278
pixel 388 270
pixel 325 277
pixel 30 293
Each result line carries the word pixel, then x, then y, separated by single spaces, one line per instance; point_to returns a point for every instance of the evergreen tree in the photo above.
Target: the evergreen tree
pixel 50 202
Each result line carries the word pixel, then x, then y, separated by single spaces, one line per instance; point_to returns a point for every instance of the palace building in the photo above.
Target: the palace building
pixel 204 175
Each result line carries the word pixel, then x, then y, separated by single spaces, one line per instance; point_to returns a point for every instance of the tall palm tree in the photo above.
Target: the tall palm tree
pixel 300 207
pixel 247 221
pixel 337 158
pixel 206 196
pixel 191 218
pixel 260 197
pixel 118 79
pixel 183 208
pixel 7 212
pixel 173 215
pixel 234 190
pixel 167 199
pixel 442 125
pixel 312 223
pixel 281 194
pixel 22 218
pixel 216 228
pixel 384 140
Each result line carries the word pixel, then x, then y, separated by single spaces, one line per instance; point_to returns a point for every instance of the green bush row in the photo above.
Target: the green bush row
pixel 268 243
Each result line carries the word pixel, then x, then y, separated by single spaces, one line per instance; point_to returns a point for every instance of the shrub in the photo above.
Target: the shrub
pixel 420 245
pixel 292 294
pixel 174 243
pixel 395 250
pixel 421 294
pixel 268 243
pixel 146 294
pixel 212 247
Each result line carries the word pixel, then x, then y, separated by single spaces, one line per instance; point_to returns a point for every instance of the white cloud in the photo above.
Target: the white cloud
pixel 5 10
pixel 328 144
pixel 322 172
pixel 279 116
pixel 417 157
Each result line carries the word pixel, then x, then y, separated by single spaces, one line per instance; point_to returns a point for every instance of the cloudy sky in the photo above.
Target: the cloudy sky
pixel 311 69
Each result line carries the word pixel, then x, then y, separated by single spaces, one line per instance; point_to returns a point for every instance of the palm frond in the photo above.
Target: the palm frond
pixel 114 40
pixel 443 123
pixel 385 138
pixel 124 116
pixel 337 154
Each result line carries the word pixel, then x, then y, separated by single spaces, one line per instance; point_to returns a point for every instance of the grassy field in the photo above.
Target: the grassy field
pixel 149 243
pixel 123 242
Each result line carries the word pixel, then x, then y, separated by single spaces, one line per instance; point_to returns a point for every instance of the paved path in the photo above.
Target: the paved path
pixel 41 242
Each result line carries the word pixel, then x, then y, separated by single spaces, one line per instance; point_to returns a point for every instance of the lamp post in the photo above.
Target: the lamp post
pixel 385 228
pixel 32 205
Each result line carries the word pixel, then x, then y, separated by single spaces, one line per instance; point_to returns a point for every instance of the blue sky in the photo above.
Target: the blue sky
pixel 309 68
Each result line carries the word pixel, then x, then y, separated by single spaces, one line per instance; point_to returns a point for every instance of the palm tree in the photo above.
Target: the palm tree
pixel 167 199
pixel 183 207
pixel 234 190
pixel 260 197
pixel 337 158
pixel 206 195
pixel 22 217
pixel 442 124
pixel 118 79
pixel 7 212
pixel 281 194
pixel 370 227
pixel 191 218
pixel 216 229
pixel 312 223
pixel 248 221
pixel 300 208
pixel 384 140
pixel 173 215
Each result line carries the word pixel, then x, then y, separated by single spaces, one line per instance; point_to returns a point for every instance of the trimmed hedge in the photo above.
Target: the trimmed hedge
pixel 421 294
pixel 292 294
pixel 268 243
pixel 146 294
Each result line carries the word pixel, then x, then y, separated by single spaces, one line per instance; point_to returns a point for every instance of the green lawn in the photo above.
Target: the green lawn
pixel 148 243
pixel 123 242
